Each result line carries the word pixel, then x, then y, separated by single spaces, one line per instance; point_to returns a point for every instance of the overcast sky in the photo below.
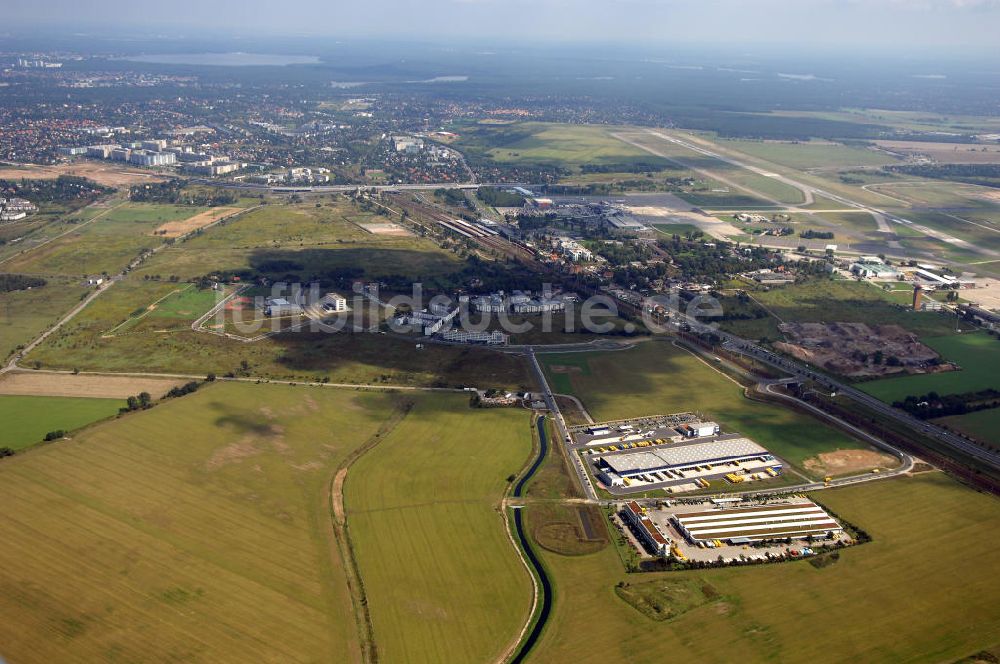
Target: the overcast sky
pixel 899 23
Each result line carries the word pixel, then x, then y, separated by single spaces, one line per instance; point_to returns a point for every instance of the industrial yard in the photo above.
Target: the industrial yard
pixel 730 530
pixel 677 453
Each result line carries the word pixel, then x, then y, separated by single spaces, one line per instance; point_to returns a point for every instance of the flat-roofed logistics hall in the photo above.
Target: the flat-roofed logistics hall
pixel 682 456
pixel 748 524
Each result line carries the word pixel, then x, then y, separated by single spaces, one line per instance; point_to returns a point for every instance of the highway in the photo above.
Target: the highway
pixel 561 428
pixel 749 349
pixel 341 188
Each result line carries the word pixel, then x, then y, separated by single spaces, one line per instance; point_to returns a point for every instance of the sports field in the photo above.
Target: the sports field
pixel 26 420
pixel 444 583
pixel 657 378
pixel 930 608
pixel 977 353
pixel 197 531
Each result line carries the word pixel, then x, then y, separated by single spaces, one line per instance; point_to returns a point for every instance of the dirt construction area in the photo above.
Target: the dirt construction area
pixel 107 174
pixel 35 383
pixel 200 220
pixel 855 349
pixel 847 462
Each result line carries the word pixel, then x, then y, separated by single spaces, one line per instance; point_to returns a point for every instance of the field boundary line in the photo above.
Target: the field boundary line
pixel 511 648
pixel 341 532
pixel 149 308
pixel 75 228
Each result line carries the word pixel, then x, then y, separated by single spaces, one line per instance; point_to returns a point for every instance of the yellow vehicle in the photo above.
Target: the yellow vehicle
pixel 626 481
pixel 718 542
pixel 876 470
pixel 827 479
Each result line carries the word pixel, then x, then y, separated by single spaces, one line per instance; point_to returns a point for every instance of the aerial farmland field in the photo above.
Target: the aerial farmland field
pixel 978 355
pixel 26 419
pixel 197 530
pixel 797 610
pixel 443 581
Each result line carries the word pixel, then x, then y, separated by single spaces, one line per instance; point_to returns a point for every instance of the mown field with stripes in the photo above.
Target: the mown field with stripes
pixel 444 583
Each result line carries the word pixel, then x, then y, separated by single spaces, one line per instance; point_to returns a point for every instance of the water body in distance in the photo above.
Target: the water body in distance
pixel 236 59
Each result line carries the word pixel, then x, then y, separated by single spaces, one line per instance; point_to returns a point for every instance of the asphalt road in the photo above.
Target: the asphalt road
pixel 749 349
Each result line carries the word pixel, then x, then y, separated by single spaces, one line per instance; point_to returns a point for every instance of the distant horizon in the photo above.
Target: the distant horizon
pixel 142 39
pixel 903 26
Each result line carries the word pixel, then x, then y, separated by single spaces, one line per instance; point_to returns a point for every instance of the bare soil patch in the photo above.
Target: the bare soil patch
pixel 384 229
pixel 33 383
pixel 106 174
pixel 851 349
pixel 233 453
pixel 200 220
pixel 844 462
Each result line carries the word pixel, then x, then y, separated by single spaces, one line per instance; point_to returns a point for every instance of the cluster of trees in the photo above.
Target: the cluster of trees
pixel 186 388
pixel 454 197
pixel 932 404
pixel 713 261
pixel 816 235
pixel 69 189
pixel 627 167
pixel 499 198
pixel 16 282
pixel 141 401
pixel 176 192
pixel 986 175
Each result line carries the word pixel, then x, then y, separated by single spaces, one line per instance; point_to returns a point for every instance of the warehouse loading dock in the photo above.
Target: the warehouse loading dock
pixel 738 525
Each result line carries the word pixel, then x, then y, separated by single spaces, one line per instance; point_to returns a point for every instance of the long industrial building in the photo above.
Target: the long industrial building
pixel 748 524
pixel 685 456
pixel 645 528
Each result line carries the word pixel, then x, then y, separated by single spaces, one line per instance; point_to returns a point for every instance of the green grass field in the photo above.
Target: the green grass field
pixel 810 154
pixel 564 145
pixel 302 240
pixel 444 583
pixel 25 314
pixel 26 420
pixel 196 531
pixel 844 301
pixel 927 608
pixel 88 343
pixel 105 245
pixel 982 425
pixel 978 354
pixel 657 378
